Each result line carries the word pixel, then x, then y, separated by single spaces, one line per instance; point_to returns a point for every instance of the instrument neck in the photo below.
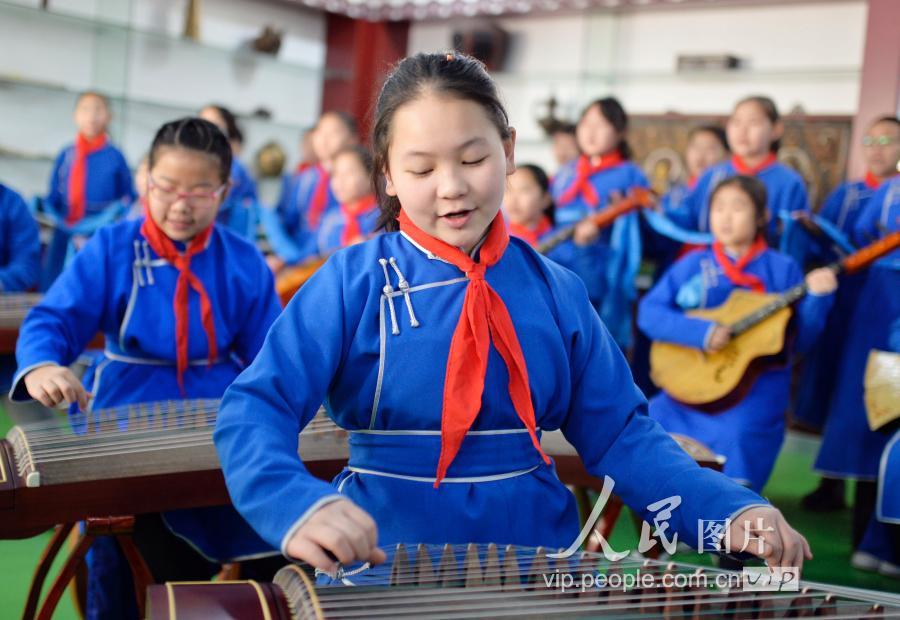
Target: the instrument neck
pixel 560 236
pixel 783 301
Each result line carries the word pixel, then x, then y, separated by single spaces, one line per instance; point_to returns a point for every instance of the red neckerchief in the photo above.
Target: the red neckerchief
pixel 319 199
pixel 302 167
pixel 692 181
pixel 531 235
pixel 352 213
pixel 77 190
pixel 743 168
pixel 483 319
pixel 582 183
pixel 165 248
pixel 871 181
pixel 735 271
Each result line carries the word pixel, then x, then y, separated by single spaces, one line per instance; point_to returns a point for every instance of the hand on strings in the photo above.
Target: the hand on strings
pixel 50 385
pixel 719 339
pixel 764 532
pixel 821 281
pixel 586 232
pixel 274 263
pixel 338 530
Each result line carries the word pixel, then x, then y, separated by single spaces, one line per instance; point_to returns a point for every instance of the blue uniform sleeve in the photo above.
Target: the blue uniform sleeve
pixel 831 208
pixel 268 405
pixel 660 317
pixel 56 194
pixel 867 229
pixel 686 214
pixel 264 308
pixel 609 426
pixel 798 198
pixel 57 330
pixel 811 312
pixel 24 249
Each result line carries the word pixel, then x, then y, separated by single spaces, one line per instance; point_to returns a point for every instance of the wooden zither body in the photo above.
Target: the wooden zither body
pixel 491 581
pixel 156 457
pixel 131 460
pixel 13 308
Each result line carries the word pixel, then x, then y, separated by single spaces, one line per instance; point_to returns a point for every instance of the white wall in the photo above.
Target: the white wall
pixel 807 54
pixel 132 50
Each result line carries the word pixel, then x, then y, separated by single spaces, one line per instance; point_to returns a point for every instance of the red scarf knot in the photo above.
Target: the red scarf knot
pixel 871 181
pixel 353 212
pixel 77 190
pixel 582 183
pixel 165 248
pixel 735 271
pixel 483 320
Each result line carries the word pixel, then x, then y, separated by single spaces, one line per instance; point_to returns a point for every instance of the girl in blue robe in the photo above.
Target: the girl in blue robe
pixel 239 210
pixel 707 146
pixel 879 549
pixel 103 174
pixel 20 253
pixel 19 244
pixel 292 227
pixel 356 217
pixel 90 186
pixel 445 349
pixel 530 214
pixel 850 450
pixel 754 131
pixel 842 209
pixel 749 434
pixel 607 260
pixel 123 284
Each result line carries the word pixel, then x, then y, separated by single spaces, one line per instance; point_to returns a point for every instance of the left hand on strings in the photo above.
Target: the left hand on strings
pixel 764 532
pixel 821 281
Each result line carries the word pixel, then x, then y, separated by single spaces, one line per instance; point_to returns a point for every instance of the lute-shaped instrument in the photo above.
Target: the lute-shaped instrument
pixel 637 198
pixel 714 381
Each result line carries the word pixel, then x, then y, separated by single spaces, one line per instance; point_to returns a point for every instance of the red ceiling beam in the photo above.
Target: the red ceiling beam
pixel 358 56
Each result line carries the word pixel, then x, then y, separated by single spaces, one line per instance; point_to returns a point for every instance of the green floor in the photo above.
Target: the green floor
pixel 828 535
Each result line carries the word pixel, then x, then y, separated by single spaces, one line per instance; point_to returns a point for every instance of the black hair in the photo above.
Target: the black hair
pixel 232 131
pixel 540 177
pixel 769 109
pixel 566 128
pixel 453 74
pixel 614 113
pixel 755 190
pixel 195 134
pixel 362 154
pixel 886 119
pixel 92 93
pixel 345 118
pixel 717 131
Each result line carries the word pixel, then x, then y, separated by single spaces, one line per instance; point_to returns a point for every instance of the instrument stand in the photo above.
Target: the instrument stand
pixel 120 527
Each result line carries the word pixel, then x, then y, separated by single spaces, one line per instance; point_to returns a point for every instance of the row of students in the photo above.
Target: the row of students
pixel 443 152
pixel 751 433
pixel 850 450
pixel 842 208
pixel 445 349
pixel 292 227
